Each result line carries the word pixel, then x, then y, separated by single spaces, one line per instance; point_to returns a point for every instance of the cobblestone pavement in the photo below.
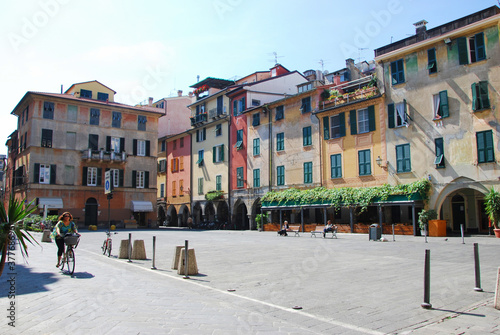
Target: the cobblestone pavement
pixel 250 282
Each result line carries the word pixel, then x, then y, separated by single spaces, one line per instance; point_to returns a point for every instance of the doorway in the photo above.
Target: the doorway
pixel 458 211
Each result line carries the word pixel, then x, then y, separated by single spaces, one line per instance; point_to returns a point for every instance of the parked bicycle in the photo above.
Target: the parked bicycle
pixel 106 246
pixel 71 241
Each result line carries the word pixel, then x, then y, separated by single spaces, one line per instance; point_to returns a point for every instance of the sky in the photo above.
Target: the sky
pixel 154 48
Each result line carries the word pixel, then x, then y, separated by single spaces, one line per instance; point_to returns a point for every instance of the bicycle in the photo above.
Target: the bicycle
pixel 106 246
pixel 71 241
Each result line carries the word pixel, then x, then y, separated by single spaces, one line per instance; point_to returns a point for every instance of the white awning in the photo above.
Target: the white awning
pixel 50 202
pixel 141 206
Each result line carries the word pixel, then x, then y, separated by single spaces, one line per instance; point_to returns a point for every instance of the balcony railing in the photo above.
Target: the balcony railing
pixel 101 155
pixel 337 98
pixel 198 118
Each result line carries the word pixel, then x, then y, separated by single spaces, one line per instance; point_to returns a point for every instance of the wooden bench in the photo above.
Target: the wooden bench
pixel 321 229
pixel 294 229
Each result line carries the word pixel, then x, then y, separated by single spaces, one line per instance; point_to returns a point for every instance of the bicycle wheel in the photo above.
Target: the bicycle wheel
pixel 109 248
pixel 70 261
pixel 104 247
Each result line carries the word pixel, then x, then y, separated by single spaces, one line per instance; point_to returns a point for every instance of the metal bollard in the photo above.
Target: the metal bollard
pixel 477 269
pixel 427 280
pixel 129 246
pixel 393 235
pixel 153 267
pixel 186 260
pixel 462 232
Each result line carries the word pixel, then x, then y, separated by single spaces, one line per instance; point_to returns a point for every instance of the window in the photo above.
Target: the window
pixel 44 174
pixel 201 135
pixel 69 175
pixel 218 130
pixel 280 175
pixel 140 179
pixel 280 112
pixel 174 144
pixel 174 164
pixel 306 105
pixel 239 139
pixel 256 146
pixel 255 102
pixel 308 172
pixel 440 105
pixel 280 141
pixel 21 143
pixel 485 152
pixel 363 120
pixel 364 163
pixel 397 72
pixel 102 96
pixel 235 107
pixel 397 114
pixel 93 142
pixel 306 136
pixel 256 119
pixel 115 177
pixel 239 177
pixel 337 126
pixel 85 94
pixel 70 140
pixel 218 153
pixel 431 61
pixel 72 113
pixel 242 104
pixel 218 183
pixel 92 176
pixel 116 120
pixel 336 165
pixel 25 140
pixel 48 110
pixel 439 160
pixel 141 122
pixel 94 116
pixel 403 158
pixel 220 106
pixel 141 148
pixel 115 144
pixel 162 190
pixel 163 145
pixel 200 185
pixel 471 49
pixel 174 188
pixel 46 138
pixel 200 158
pixel 163 165
pixel 256 178
pixel 181 144
pixel 480 99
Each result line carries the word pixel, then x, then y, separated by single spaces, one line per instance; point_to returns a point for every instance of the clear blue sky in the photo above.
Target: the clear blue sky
pixel 154 48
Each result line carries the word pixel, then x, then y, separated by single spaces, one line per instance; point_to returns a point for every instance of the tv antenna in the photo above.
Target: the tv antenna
pixel 359 53
pixel 322 63
pixel 275 54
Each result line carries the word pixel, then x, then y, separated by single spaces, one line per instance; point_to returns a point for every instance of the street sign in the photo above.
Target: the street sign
pixel 107 182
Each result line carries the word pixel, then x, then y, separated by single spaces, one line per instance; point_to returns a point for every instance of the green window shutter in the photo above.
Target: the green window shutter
pixel 352 117
pixel 474 97
pixel 371 118
pixel 463 56
pixel 134 179
pixel 214 154
pixel 326 127
pixel 490 155
pixel 480 47
pixel 399 158
pixel 407 155
pixel 146 179
pixel 108 143
pixel 222 152
pixel 134 149
pixel 99 176
pixel 84 176
pixel 148 148
pixel 431 61
pixel 122 144
pixel 120 178
pixel 443 103
pixel 483 92
pixel 52 174
pixel 390 115
pixel 342 124
pixel 36 174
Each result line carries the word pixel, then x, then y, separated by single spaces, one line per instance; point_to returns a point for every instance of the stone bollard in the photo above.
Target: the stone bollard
pixel 175 261
pixel 123 254
pixel 192 267
pixel 138 250
pixel 46 236
pixel 497 291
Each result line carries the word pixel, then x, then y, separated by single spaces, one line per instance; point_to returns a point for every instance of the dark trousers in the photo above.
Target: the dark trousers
pixel 60 246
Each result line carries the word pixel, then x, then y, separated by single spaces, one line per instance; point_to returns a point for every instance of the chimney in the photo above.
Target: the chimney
pixel 150 101
pixel 179 93
pixel 190 94
pixel 420 27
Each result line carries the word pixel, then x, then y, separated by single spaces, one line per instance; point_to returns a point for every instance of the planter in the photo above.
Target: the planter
pixel 437 228
pixel 497 232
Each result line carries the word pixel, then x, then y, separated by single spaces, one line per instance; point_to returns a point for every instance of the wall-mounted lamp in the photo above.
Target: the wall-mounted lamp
pixel 379 163
pixel 447 41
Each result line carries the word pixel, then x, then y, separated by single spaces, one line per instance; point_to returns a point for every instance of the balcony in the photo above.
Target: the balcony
pixel 101 155
pixel 198 119
pixel 217 112
pixel 337 98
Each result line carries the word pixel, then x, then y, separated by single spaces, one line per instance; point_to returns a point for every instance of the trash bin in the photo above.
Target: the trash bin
pixel 374 233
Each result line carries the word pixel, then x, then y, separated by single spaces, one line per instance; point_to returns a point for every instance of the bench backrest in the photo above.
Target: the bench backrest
pixel 294 227
pixel 320 228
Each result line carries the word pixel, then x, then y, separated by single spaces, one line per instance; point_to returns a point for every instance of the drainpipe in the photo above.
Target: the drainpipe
pixel 320 150
pixel 229 154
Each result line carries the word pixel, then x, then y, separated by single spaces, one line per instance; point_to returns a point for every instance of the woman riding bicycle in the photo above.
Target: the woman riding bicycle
pixel 64 226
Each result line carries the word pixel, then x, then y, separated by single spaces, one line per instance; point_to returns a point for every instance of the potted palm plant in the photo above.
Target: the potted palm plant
pixel 261 219
pixel 423 219
pixel 492 208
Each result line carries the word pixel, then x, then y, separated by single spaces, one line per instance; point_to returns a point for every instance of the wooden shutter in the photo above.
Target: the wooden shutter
pixel 120 178
pixel 222 152
pixel 463 56
pixel 352 117
pixel 134 179
pixel 36 173
pixel 53 174
pixel 326 127
pixel 146 179
pixel 483 94
pixel 390 115
pixel 134 147
pixel 474 96
pixel 148 148
pixel 122 144
pixel 108 143
pixel 371 118
pixel 99 176
pixel 480 48
pixel 84 176
pixel 443 103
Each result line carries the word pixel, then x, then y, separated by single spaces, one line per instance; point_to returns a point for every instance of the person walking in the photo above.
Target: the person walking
pixel 64 226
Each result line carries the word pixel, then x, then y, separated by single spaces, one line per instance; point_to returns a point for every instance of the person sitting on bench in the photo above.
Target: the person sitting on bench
pixel 328 227
pixel 285 227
